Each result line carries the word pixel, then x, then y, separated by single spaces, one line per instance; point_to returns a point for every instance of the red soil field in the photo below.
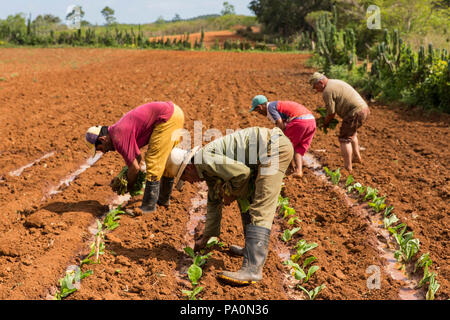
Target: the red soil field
pixel 210 37
pixel 48 99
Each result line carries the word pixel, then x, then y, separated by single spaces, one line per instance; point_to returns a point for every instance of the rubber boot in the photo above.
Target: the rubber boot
pixel 165 190
pixel 151 194
pixel 255 254
pixel 235 249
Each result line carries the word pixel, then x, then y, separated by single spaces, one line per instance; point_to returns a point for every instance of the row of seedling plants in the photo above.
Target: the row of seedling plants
pixel 71 281
pixel 301 265
pixel 407 246
pixel 195 270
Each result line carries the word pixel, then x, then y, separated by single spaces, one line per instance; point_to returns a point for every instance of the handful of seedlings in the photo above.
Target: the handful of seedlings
pixel 119 183
pixel 323 113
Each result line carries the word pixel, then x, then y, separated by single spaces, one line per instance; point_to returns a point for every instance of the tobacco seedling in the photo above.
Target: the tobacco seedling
pixel 349 180
pixel 388 211
pixel 293 220
pixel 408 245
pixel 371 194
pixel 191 294
pixel 288 211
pixel 314 292
pixel 214 241
pixel 297 271
pixel 194 273
pixel 393 230
pixel 311 271
pixel 334 175
pixel 282 201
pixel 110 221
pixel 120 182
pixel 97 247
pixel 426 278
pixel 360 188
pixel 432 287
pixel 331 125
pixel 308 261
pixel 70 283
pixel 283 204
pixel 287 234
pixel 302 247
pixel 352 186
pixel 378 203
pixel 198 260
pixel 423 262
pixel 388 221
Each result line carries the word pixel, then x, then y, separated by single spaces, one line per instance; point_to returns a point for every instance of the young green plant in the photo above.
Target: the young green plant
pixel 334 175
pixel 112 217
pixel 97 246
pixel 377 204
pixel 287 234
pixel 312 294
pixel 302 247
pixel 195 271
pixel 70 283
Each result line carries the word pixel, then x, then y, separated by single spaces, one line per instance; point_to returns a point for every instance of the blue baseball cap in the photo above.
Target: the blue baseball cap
pixel 259 99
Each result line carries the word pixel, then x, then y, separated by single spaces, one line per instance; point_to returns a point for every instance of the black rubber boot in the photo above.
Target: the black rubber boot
pixel 235 249
pixel 165 190
pixel 255 254
pixel 151 194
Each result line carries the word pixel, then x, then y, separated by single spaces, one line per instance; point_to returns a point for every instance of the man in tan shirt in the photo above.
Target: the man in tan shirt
pixel 247 166
pixel 342 99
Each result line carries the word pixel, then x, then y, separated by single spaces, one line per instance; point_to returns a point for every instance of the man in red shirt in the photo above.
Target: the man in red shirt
pixel 296 121
pixel 157 124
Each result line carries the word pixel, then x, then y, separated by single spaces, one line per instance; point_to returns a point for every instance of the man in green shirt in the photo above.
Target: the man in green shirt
pixel 343 100
pixel 248 166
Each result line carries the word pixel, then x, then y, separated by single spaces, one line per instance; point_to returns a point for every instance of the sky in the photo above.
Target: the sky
pixel 130 11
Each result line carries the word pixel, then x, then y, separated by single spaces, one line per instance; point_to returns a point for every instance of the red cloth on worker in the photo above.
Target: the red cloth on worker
pixel 301 133
pixel 134 129
pixel 287 110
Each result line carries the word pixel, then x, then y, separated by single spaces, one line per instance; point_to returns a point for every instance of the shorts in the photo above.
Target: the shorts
pixel 301 133
pixel 351 124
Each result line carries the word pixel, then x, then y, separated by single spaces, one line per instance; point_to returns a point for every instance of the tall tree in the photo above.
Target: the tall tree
pixel 228 8
pixel 176 18
pixel 286 17
pixel 108 14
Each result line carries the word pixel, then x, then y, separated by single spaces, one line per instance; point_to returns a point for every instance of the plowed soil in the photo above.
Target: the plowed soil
pixel 49 97
pixel 210 37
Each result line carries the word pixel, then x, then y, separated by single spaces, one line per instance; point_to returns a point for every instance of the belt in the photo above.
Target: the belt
pixel 305 117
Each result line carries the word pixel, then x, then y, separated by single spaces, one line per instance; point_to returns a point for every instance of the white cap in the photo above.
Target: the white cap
pixel 177 162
